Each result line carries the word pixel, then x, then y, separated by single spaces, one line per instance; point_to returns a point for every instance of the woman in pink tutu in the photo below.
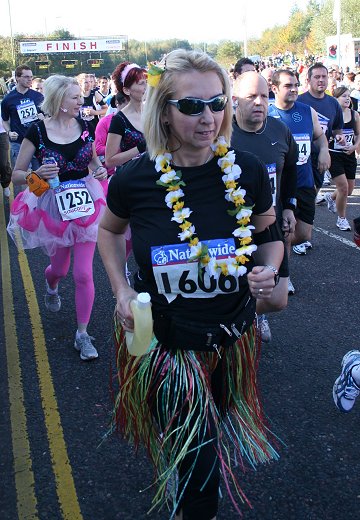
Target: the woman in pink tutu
pixel 65 216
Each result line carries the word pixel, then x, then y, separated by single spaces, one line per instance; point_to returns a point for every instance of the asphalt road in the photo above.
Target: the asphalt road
pixel 54 408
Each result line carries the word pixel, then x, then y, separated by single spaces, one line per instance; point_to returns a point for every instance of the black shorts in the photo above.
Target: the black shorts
pixel 284 267
pixel 305 209
pixel 343 164
pixel 318 177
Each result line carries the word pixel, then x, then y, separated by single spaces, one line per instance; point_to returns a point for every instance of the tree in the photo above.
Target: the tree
pixel 228 53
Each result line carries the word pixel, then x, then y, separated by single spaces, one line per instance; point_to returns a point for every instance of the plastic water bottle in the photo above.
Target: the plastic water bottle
pixel 55 181
pixel 139 341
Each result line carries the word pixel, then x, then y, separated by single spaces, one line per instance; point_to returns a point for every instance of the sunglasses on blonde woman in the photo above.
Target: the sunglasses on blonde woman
pixel 195 106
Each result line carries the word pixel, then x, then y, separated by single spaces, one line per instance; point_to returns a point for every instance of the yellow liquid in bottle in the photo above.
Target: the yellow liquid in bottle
pixel 139 341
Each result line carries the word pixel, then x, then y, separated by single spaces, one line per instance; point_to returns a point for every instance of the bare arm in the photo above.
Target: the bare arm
pixel 99 172
pixel 324 159
pixel 269 253
pixel 111 244
pixel 355 147
pixel 12 135
pixel 113 157
pixel 27 150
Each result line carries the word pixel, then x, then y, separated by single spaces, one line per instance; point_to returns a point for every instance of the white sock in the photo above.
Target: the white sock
pixel 52 291
pixel 78 334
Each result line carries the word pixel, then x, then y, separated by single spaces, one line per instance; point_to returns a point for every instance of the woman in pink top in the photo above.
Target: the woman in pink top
pixel 102 130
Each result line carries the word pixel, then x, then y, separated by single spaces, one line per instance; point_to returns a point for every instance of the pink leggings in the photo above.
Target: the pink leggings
pixel 82 272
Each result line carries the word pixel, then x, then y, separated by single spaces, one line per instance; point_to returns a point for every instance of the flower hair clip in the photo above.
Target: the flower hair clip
pixel 154 74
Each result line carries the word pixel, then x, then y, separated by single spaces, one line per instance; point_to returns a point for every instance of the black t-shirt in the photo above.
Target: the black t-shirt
pixel 134 195
pixel 131 137
pixel 72 158
pixel 276 148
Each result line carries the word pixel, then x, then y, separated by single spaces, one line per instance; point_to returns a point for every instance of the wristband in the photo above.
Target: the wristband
pixel 275 271
pixel 290 203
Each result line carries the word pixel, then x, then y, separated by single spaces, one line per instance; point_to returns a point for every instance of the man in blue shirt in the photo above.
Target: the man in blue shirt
pixel 19 109
pixel 328 110
pixel 304 125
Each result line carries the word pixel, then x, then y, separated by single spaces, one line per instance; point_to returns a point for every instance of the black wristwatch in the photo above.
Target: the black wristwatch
pixel 291 204
pixel 275 271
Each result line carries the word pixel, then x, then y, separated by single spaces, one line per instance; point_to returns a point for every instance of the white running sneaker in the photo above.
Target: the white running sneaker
pixel 343 224
pixel 291 288
pixel 327 178
pixel 331 204
pixel 299 249
pixel 83 345
pixel 7 192
pixel 52 299
pixel 320 199
pixel 264 328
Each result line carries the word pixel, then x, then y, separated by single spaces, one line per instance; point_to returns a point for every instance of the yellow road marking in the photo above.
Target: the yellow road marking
pixel 64 481
pixel 24 476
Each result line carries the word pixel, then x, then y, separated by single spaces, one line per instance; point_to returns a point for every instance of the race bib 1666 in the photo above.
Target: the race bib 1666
pixel 175 274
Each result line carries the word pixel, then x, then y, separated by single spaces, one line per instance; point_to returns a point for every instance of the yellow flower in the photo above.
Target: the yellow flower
pixel 239 201
pixel 154 74
pixel 230 184
pixel 241 259
pixel 173 187
pixel 178 205
pixel 153 80
pixel 185 225
pixel 221 150
pixel 243 221
pixel 205 259
pixel 224 269
pixel 194 241
pixel 245 241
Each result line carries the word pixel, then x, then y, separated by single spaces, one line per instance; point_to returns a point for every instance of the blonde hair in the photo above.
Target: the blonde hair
pixel 177 62
pixel 55 88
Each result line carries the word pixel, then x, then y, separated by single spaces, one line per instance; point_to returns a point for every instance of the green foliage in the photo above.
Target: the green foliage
pixel 323 24
pixel 228 53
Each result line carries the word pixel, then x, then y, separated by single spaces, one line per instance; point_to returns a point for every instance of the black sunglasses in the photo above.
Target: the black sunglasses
pixel 195 106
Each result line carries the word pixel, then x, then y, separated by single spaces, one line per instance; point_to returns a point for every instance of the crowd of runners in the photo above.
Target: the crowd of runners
pixel 97 161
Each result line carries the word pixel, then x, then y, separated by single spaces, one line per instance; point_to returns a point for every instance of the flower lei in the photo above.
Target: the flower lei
pixel 171 180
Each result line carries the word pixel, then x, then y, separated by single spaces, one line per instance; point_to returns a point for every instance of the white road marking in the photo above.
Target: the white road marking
pixel 337 237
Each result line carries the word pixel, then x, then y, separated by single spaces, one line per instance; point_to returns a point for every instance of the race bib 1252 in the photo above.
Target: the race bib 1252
pixel 74 200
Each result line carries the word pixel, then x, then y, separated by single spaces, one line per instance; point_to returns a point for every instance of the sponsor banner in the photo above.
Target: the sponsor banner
pixel 88 45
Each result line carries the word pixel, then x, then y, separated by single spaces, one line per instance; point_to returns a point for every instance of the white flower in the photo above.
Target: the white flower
pixel 162 160
pixel 196 250
pixel 243 213
pixel 220 140
pixel 246 250
pixel 212 268
pixel 242 232
pixel 181 215
pixel 231 176
pixel 236 270
pixel 236 170
pixel 166 178
pixel 188 233
pixel 173 196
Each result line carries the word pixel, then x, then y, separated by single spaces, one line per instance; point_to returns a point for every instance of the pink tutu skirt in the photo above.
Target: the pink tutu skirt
pixel 38 221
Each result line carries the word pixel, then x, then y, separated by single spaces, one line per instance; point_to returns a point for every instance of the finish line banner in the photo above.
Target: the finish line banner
pixel 53 46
